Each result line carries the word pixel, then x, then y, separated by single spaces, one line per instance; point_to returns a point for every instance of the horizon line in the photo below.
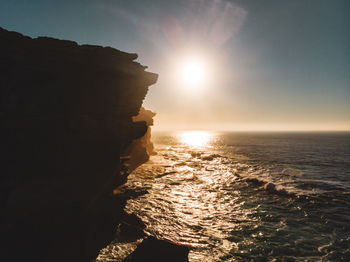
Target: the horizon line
pixel 254 131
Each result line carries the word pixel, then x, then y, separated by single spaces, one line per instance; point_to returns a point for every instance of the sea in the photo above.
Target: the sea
pixel 245 196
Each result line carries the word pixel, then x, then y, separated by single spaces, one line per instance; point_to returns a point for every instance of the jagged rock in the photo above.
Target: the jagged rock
pixel 155 250
pixel 65 118
pixel 131 230
pixel 140 149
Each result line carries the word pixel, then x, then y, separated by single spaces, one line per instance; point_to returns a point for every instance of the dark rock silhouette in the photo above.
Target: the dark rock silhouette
pixel 65 119
pixel 152 249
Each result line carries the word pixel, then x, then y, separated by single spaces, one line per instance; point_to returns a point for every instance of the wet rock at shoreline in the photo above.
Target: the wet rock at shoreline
pixel 155 250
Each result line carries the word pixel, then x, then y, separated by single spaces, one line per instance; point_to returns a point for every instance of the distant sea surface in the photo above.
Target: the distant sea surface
pixel 248 196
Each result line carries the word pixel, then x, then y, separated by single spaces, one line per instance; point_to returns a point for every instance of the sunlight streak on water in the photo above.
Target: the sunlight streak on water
pixel 196 138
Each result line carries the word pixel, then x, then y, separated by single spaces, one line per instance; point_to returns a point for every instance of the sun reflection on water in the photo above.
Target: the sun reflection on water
pixel 196 138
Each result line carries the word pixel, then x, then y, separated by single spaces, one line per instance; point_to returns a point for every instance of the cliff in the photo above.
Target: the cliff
pixel 66 117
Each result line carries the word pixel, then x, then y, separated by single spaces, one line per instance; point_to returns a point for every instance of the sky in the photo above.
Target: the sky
pixel 266 65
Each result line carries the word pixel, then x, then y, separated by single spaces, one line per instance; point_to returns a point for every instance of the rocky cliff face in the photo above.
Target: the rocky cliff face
pixel 65 118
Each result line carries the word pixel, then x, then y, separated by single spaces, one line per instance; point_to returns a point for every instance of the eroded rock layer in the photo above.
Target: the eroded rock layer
pixel 65 118
pixel 142 148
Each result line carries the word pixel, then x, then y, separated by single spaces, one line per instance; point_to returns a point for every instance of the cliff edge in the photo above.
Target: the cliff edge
pixel 66 117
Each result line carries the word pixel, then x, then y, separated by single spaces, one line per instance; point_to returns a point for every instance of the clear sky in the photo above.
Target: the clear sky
pixel 267 65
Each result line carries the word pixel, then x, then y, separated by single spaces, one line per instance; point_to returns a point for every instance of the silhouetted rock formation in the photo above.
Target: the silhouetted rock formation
pixel 140 149
pixel 154 250
pixel 65 118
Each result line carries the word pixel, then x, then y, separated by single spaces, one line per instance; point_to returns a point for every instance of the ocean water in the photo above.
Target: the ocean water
pixel 246 196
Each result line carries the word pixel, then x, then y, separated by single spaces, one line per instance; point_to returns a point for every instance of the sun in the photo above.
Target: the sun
pixel 193 72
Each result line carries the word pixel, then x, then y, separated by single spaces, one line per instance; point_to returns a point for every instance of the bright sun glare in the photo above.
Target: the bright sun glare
pixel 192 73
pixel 195 138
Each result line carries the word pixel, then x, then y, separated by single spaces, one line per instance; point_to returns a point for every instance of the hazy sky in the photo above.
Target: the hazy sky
pixel 270 65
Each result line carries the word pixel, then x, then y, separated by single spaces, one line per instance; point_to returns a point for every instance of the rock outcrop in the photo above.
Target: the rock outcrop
pixel 155 250
pixel 140 149
pixel 66 117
